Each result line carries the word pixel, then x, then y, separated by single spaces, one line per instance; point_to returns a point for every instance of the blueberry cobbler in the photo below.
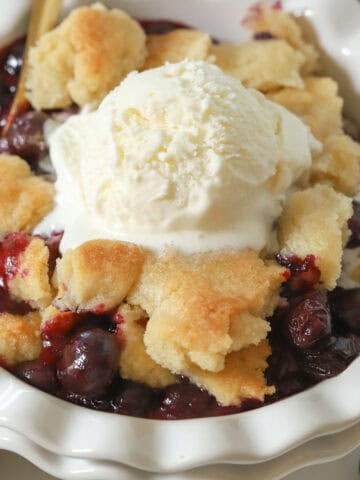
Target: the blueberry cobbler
pixel 179 235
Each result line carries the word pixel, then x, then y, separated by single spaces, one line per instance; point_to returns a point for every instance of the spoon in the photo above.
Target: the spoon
pixel 44 15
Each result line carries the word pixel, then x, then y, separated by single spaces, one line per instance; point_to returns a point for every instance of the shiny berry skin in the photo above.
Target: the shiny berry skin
pixel 4 144
pixel 308 321
pixel 25 137
pixel 182 400
pixel 102 405
pixel 319 365
pixel 10 66
pixel 38 374
pixel 89 363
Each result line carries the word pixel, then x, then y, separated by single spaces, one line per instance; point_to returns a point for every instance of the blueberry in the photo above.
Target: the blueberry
pixel 38 374
pixel 183 400
pixel 89 363
pixel 346 307
pixel 25 137
pixel 346 348
pixel 320 364
pixel 133 399
pixel 354 226
pixel 308 321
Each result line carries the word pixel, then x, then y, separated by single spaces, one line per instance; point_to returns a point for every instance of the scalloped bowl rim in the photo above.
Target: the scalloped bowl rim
pixel 317 451
pixel 171 446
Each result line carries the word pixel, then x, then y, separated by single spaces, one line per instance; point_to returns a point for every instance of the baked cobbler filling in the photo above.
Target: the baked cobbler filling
pixel 314 336
pixel 114 327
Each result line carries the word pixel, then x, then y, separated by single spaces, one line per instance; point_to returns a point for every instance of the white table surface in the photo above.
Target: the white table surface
pixel 13 467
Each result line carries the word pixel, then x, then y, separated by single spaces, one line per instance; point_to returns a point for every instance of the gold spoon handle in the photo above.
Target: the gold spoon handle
pixel 44 15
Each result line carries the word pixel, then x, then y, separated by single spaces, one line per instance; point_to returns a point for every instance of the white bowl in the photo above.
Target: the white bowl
pixel 318 451
pixel 172 446
pixel 247 438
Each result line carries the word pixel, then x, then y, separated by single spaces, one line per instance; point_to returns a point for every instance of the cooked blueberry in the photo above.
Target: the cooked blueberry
pixel 9 305
pixel 53 244
pixel 5 103
pixel 38 374
pixel 102 404
pixel 346 307
pixel 182 400
pixel 347 348
pixel 354 225
pixel 282 364
pixel 89 363
pixel 133 399
pixel 14 61
pixel 319 365
pixel 4 144
pixel 308 321
pixel 11 60
pixel 290 385
pixel 26 138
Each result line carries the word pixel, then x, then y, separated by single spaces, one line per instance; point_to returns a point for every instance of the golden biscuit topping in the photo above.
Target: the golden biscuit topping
pixel 31 281
pixel 252 63
pixel 176 46
pixel 84 58
pixel 317 104
pixel 24 198
pixel 284 26
pixel 315 222
pixel 338 164
pixel 97 275
pixel 19 337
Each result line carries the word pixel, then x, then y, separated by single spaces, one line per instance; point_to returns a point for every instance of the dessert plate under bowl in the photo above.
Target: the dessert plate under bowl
pixel 68 433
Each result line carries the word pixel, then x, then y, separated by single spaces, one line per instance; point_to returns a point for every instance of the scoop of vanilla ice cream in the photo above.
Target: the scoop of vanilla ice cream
pixel 182 155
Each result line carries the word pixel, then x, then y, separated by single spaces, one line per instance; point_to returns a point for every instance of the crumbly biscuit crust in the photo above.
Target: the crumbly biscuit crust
pixel 252 63
pixel 97 275
pixel 202 307
pixel 317 104
pixel 176 46
pixel 315 222
pixel 284 26
pixel 242 376
pixel 84 58
pixel 19 337
pixel 24 198
pixel 31 283
pixel 135 363
pixel 338 165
